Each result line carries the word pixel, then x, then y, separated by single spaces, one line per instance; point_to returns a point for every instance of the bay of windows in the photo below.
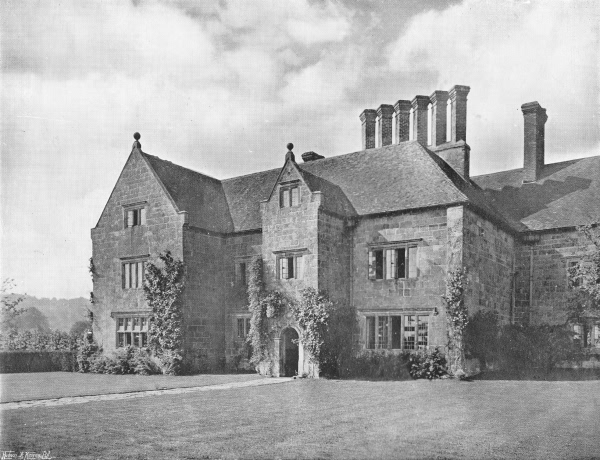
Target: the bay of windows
pixel 397 332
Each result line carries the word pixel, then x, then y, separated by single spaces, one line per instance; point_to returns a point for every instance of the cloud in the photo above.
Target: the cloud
pixel 511 53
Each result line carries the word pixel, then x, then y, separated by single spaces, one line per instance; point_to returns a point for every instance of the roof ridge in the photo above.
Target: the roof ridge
pixel 182 167
pixel 547 164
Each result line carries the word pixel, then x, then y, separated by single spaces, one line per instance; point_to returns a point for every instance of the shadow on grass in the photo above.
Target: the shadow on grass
pixel 541 375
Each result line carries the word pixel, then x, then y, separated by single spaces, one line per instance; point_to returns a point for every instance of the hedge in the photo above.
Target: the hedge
pixel 37 361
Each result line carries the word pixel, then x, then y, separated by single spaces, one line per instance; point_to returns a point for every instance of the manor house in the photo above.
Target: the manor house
pixel 378 229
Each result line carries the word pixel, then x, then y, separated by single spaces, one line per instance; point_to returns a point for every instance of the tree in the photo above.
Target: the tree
pixel 80 327
pixel 10 304
pixel 32 319
pixel 584 278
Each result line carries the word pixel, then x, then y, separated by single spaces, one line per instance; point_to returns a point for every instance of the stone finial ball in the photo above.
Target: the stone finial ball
pixel 290 146
pixel 136 136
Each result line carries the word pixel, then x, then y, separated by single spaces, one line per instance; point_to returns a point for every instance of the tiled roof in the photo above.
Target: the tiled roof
pixel 201 196
pixel 397 177
pixel 568 194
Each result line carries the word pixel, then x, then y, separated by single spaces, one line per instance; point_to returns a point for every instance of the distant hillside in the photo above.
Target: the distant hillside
pixel 61 313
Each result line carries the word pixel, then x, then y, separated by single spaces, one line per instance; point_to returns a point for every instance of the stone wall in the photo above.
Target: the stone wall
pixel 111 242
pixel 488 257
pixel 420 294
pixel 551 253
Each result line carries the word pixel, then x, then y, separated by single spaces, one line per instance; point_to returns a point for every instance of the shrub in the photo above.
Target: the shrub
pixel 428 364
pixel 143 363
pixel 119 362
pixel 339 345
pixel 482 338
pixel 36 361
pixel 376 365
pixel 86 353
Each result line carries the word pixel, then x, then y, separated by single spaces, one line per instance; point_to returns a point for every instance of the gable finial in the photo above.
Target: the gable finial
pixel 290 155
pixel 136 143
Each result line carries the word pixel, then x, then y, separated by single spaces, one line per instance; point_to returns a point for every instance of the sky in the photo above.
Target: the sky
pixel 221 87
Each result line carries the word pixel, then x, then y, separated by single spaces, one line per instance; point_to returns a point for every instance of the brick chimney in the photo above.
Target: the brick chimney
pixel 439 103
pixel 311 156
pixel 384 121
pixel 402 109
pixel 420 105
pixel 534 120
pixel 368 119
pixel 458 100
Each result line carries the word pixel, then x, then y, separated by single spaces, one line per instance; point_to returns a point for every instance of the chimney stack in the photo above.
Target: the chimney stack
pixel 311 156
pixel 420 105
pixel 535 117
pixel 458 99
pixel 384 121
pixel 439 104
pixel 402 109
pixel 368 119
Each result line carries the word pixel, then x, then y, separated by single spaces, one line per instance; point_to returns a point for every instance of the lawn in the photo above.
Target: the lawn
pixel 325 419
pixel 46 385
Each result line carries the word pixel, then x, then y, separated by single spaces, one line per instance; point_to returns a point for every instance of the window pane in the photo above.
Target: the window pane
pixel 378 265
pixel 127 324
pixel 412 262
pixel 390 264
pixel 283 269
pixel 401 261
pixel 396 332
pixel 128 339
pixel 121 325
pixel 144 338
pixel 136 324
pixel 129 222
pixel 295 196
pixel 140 274
pixel 136 339
pixel 242 269
pixel 247 326
pixel 423 331
pixel 285 198
pixel 240 328
pixel 127 272
pixel 120 339
pixel 382 332
pixel 409 332
pixel 371 265
pixel 143 216
pixel 290 267
pixel 370 332
pixel 144 324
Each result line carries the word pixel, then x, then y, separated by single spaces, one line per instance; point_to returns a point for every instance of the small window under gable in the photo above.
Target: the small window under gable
pixel 289 194
pixel 134 215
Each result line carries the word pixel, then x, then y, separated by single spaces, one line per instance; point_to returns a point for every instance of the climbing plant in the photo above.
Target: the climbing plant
pixel 457 319
pixel 163 285
pixel 263 305
pixel 312 314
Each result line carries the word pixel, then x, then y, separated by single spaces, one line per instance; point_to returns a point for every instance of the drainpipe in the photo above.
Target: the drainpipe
pixel 530 283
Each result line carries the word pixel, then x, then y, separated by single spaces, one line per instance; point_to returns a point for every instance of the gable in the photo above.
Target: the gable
pixel 136 183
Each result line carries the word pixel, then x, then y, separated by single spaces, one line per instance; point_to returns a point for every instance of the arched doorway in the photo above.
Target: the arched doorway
pixel 289 353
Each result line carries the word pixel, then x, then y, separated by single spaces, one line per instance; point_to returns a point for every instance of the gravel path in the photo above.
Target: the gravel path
pixel 138 394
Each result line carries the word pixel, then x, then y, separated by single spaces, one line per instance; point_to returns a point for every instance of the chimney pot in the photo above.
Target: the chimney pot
pixel 368 118
pixel 420 105
pixel 402 109
pixel 384 120
pixel 311 156
pixel 458 99
pixel 534 133
pixel 439 103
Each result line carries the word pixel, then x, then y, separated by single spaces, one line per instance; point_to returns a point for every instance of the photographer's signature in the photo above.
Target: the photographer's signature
pixel 25 455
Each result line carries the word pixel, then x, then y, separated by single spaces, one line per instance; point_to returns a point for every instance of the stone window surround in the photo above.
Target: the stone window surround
pixel 290 187
pixel 242 320
pixel 128 333
pixel 298 262
pixel 391 245
pixel 134 214
pixel 128 261
pixel 419 313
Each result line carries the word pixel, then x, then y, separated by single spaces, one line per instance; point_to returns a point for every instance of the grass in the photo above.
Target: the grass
pixel 325 419
pixel 47 385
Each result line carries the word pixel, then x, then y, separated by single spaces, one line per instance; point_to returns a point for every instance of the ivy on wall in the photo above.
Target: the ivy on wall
pixel 163 286
pixel 312 313
pixel 263 305
pixel 457 319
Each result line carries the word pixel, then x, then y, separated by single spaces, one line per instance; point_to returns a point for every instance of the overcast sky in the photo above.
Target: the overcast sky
pixel 221 87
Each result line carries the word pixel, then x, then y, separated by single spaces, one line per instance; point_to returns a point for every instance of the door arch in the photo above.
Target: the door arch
pixel 289 353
